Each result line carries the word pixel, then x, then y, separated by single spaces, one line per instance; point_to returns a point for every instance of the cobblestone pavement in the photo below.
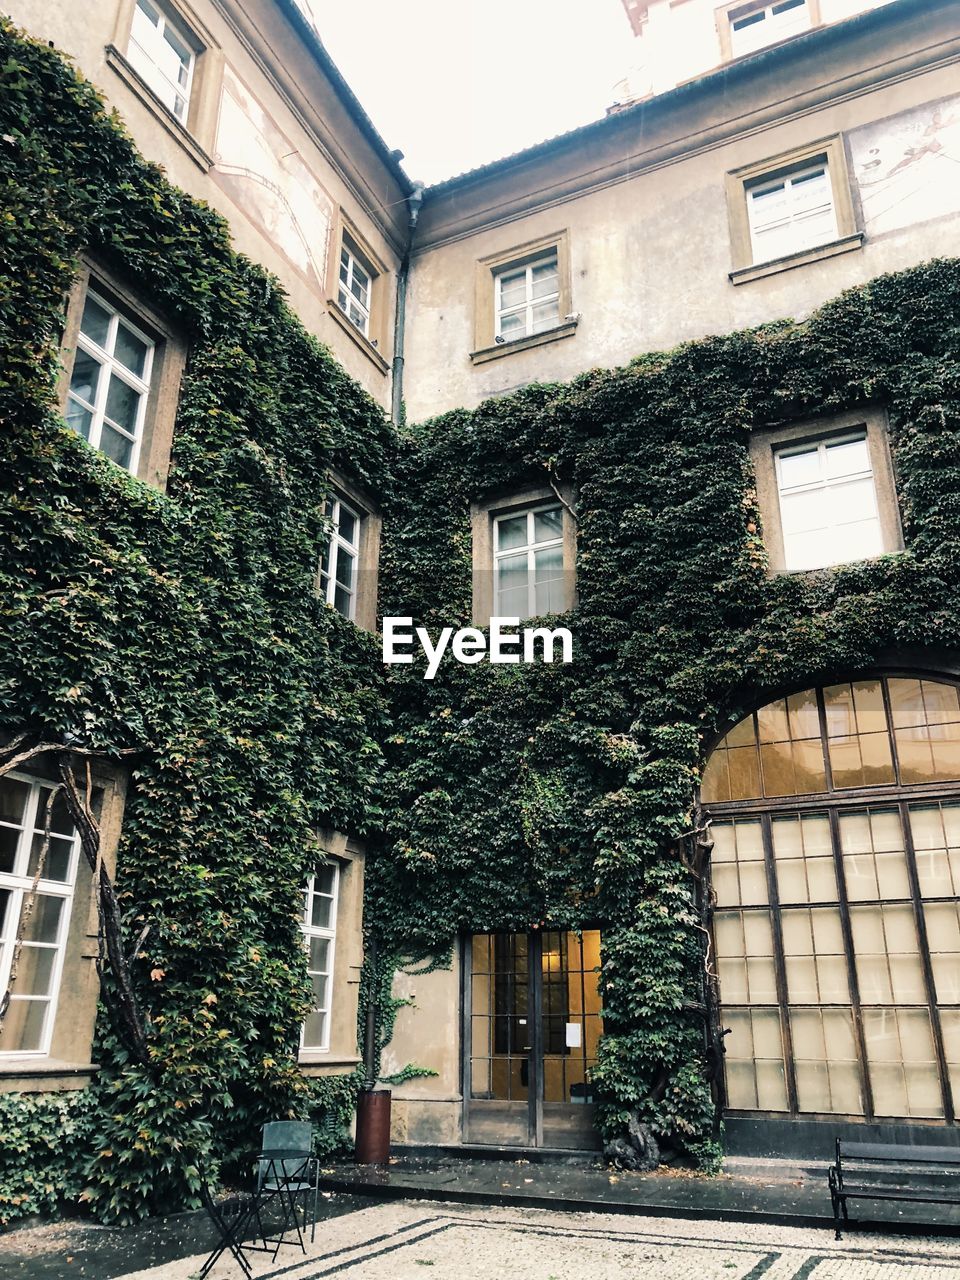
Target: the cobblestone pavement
pixel 404 1240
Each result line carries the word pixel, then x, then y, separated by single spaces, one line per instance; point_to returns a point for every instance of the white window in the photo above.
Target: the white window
pixel 320 933
pixel 354 290
pixel 164 56
pixel 339 562
pixel 527 298
pixel 828 502
pixel 110 383
pixel 791 212
pixel 753 27
pixel 28 1024
pixel 528 563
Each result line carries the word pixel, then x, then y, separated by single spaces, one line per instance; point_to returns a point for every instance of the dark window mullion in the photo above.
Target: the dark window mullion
pixel 891 736
pixel 824 738
pixel 926 964
pixel 779 965
pixel 852 978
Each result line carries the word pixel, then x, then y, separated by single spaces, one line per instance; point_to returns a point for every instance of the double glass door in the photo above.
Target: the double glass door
pixel 532 1024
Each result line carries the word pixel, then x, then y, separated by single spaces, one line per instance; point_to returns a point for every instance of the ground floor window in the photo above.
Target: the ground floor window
pixel 320 936
pixel 836 883
pixel 35 910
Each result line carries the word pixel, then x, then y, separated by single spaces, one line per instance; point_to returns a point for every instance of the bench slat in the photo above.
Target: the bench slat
pixel 898 1154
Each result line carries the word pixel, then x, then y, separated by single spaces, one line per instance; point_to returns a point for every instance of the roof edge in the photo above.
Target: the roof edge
pixel 315 46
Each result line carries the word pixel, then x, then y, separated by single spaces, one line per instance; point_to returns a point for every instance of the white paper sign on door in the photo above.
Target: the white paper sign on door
pixel 573 1035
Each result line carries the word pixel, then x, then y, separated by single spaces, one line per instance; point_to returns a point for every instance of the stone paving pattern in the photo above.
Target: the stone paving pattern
pixel 416 1240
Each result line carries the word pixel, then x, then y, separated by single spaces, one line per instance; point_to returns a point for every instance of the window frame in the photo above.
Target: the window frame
pixel 151 462
pixel 739 183
pixel 195 133
pixel 339 544
pixel 186 38
pixel 483 516
pixel 366 551
pixel 19 884
pixel 767 443
pixel 373 340
pixel 490 270
pixel 726 14
pixel 65 1064
pixel 501 312
pixel 833 802
pixel 530 548
pixel 328 933
pixel 107 361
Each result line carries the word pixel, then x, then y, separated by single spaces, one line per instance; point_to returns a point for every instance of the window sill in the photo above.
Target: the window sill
pixel 162 113
pixel 318 1062
pixel 565 330
pixel 32 1073
pixel 361 340
pixel 845 244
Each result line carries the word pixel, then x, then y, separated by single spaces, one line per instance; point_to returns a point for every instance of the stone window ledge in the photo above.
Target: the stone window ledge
pixel 565 330
pixel 844 245
pixel 162 113
pixel 362 341
pixel 36 1075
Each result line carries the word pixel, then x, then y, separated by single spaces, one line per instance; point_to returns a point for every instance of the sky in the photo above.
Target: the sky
pixel 456 83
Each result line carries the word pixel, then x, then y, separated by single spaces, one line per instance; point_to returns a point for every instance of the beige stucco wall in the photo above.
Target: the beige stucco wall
pixel 644 204
pixel 427 1034
pixel 248 37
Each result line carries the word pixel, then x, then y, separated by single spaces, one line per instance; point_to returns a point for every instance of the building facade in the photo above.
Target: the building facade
pixel 750 536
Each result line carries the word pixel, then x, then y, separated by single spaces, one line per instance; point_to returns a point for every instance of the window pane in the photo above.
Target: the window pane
pixel 13 800
pixel 346 563
pixel 116 446
pixel 320 912
pixel 887 955
pixel 130 350
pixel 347 525
pixel 342 600
pixel 44 923
pixel 123 403
pixel 799 468
pixel 23 1026
pixel 547 524
pixel 848 457
pixel 511 532
pixel 85 377
pixel 35 972
pixel 513 289
pixel 57 866
pixel 95 321
pixel 318 961
pixel 545 315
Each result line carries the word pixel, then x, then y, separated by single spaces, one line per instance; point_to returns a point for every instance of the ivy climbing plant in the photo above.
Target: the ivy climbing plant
pixel 184 627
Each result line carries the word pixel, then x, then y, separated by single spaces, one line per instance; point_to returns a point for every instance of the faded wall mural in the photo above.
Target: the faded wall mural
pixel 908 166
pixel 266 175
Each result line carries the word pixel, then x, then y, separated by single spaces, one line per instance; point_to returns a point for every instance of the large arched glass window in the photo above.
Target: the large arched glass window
pixel 836 873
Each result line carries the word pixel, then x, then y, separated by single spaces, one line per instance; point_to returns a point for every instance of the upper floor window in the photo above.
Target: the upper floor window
pixel 320 933
pixel 826 497
pixel 164 55
pixel 110 381
pixel 28 1024
pixel 528 298
pixel 339 564
pixel 523 298
pixel 528 563
pixel 354 292
pixel 754 26
pixel 791 211
pixel 828 502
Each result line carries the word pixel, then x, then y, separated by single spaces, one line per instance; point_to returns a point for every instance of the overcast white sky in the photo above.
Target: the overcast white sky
pixel 455 83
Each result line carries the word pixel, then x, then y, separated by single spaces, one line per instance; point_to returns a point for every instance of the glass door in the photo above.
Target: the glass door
pixel 532 1024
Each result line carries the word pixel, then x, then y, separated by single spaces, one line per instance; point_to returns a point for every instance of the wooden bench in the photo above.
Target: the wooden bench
pixel 876 1162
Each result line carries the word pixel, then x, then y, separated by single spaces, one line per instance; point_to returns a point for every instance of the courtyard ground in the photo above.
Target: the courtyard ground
pixel 413 1240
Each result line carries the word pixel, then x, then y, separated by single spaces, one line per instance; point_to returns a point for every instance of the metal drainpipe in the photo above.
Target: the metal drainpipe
pixel 414 201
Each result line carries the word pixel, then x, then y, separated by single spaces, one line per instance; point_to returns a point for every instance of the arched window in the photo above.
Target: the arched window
pixel 836 873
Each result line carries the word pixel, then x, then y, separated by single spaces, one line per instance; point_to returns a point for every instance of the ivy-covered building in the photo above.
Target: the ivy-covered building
pixel 686 381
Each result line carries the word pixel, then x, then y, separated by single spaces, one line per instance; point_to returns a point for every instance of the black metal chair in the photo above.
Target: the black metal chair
pixel 294 1175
